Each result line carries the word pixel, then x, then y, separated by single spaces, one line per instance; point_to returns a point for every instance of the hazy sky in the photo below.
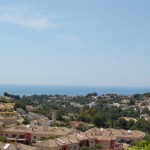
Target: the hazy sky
pixel 75 42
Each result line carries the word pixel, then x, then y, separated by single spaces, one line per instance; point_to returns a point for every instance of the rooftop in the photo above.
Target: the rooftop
pixel 40 130
pixel 7 146
pixel 7 105
pixel 108 134
pixel 64 140
pixel 94 133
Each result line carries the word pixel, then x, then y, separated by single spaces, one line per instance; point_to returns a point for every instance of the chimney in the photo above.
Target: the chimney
pixel 56 141
pixel 110 133
pixel 32 128
pixel 86 135
pixel 69 138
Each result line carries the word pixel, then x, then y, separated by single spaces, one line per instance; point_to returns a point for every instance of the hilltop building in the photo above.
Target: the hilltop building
pixel 7 114
pixel 7 110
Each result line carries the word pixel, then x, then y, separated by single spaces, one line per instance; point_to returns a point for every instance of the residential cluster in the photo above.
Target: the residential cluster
pixel 61 138
pixel 58 122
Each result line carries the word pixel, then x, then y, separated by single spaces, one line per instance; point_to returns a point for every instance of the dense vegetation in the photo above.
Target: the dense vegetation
pixel 103 116
pixel 141 145
pixel 100 115
pixel 2 139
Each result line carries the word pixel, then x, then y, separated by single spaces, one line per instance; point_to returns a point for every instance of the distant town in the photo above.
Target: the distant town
pixel 62 122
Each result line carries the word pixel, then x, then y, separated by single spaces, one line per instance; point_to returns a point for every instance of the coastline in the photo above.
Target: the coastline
pixel 69 90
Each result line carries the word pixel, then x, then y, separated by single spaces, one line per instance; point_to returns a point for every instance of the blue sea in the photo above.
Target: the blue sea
pixel 68 90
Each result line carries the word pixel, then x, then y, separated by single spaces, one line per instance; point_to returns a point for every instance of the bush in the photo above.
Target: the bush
pixel 84 148
pixel 2 139
pixel 97 146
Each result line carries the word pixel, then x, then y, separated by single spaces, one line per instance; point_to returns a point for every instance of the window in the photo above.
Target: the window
pixel 6 134
pixel 22 136
pixel 14 135
pixel 43 138
pixel 34 137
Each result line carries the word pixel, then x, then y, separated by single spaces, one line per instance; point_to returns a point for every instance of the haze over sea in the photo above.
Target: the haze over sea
pixel 69 90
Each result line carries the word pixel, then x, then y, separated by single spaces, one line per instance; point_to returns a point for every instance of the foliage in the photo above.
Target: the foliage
pixel 137 96
pixel 60 113
pixel 91 94
pixel 147 137
pixel 146 94
pixel 123 123
pixel 82 127
pixel 143 125
pixel 132 102
pixel 100 120
pixel 11 95
pixel 2 139
pixel 97 146
pixel 20 104
pixel 146 111
pixel 52 137
pixel 141 145
pixel 84 148
pixel 102 115
pixel 26 121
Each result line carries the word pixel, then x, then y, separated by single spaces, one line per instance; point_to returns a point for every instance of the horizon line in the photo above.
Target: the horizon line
pixel 98 86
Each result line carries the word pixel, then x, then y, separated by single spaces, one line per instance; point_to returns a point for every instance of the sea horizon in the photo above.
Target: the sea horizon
pixel 29 90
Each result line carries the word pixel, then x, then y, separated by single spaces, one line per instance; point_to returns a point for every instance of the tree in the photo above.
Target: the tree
pixel 137 96
pixel 26 121
pixel 141 145
pixel 60 113
pixel 84 118
pixel 147 137
pixel 132 102
pixel 123 124
pixel 2 139
pixel 91 94
pixel 84 148
pixel 130 123
pixel 146 111
pixel 12 96
pixel 100 120
pixel 97 146
pixel 82 127
pixel 6 94
pixel 143 125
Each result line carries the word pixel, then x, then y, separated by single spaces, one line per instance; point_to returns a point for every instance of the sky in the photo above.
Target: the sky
pixel 75 42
